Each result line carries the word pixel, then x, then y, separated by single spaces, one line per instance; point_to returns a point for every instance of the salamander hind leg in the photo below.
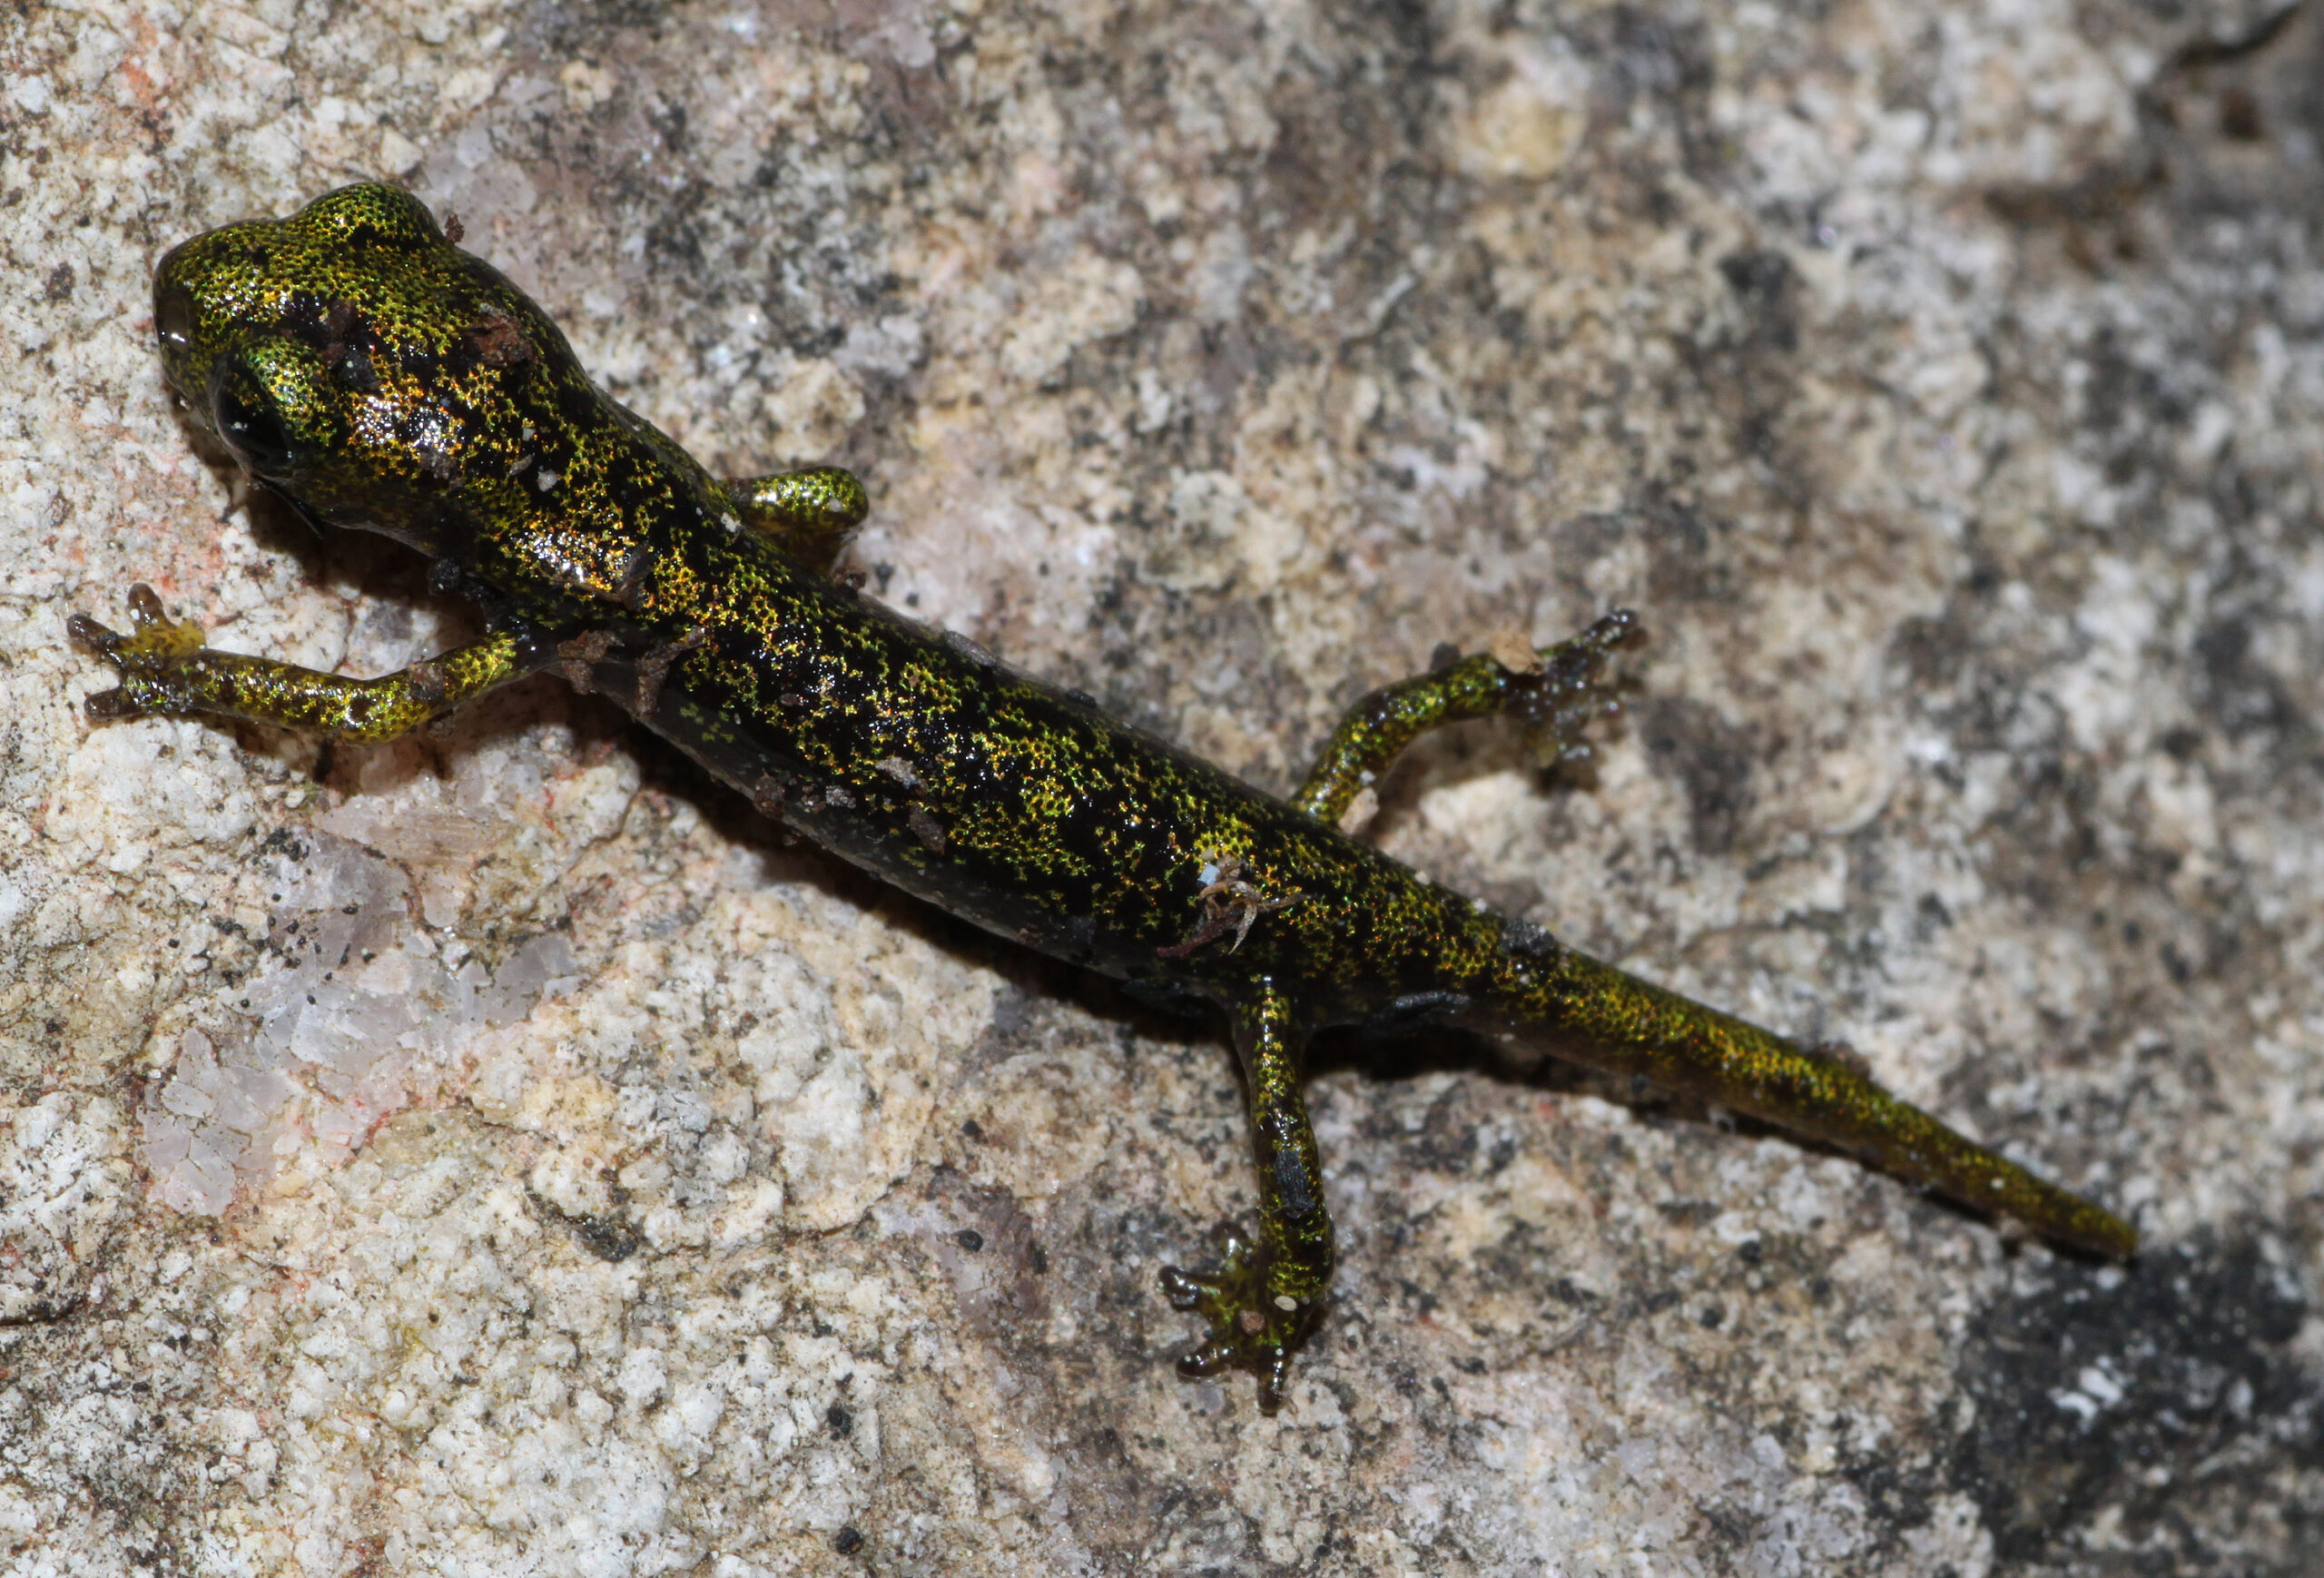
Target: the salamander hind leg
pixel 1557 691
pixel 1268 1295
pixel 808 515
pixel 165 669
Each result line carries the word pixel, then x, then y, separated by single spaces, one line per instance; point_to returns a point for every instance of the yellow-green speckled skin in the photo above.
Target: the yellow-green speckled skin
pixel 367 370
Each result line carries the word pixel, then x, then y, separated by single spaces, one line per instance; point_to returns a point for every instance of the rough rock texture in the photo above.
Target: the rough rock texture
pixel 499 1154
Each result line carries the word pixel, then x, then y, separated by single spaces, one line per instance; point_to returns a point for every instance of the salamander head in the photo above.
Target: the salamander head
pixel 357 362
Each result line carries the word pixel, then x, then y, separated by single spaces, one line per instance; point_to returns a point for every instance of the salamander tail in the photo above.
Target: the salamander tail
pixel 1552 999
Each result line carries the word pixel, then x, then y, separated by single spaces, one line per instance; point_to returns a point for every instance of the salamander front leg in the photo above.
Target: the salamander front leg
pixel 1558 691
pixel 806 514
pixel 166 669
pixel 1267 1299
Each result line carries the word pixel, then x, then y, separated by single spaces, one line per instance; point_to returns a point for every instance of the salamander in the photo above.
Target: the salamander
pixel 363 368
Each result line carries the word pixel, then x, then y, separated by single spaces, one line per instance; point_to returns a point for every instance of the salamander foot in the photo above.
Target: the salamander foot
pixel 155 648
pixel 1252 1327
pixel 1567 688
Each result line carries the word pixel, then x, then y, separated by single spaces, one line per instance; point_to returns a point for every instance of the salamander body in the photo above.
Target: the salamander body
pixel 362 367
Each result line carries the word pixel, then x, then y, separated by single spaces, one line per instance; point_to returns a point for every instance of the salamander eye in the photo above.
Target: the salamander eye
pixel 252 424
pixel 173 320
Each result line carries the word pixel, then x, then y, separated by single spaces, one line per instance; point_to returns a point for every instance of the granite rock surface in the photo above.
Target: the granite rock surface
pixel 501 1153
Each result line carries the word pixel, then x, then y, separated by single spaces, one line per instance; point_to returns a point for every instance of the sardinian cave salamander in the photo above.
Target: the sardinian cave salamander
pixel 363 368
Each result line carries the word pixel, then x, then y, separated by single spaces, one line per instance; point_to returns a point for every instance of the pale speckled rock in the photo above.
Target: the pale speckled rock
pixel 501 1154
